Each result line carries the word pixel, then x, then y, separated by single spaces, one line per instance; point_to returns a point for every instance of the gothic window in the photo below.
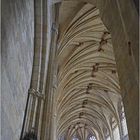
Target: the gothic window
pixel 92 138
pixel 123 120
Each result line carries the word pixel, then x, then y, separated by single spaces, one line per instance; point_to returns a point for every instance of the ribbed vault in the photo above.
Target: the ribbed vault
pixel 88 89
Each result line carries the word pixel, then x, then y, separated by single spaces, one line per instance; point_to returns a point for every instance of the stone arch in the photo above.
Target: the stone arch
pixel 112 20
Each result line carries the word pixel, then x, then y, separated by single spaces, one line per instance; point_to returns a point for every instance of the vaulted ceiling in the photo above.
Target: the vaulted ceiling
pixel 88 88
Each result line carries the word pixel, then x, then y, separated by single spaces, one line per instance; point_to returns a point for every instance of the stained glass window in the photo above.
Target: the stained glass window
pixel 92 138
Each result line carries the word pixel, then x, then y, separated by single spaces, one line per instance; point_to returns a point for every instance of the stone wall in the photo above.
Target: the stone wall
pixel 17 57
pixel 121 19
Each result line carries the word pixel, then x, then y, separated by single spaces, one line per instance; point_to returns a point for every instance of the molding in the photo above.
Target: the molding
pixel 36 94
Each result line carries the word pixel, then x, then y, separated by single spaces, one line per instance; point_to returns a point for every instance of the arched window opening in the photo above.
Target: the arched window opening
pixel 123 121
pixel 92 138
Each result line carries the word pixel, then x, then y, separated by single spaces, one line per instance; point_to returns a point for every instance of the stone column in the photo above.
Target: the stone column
pixel 36 96
pixel 48 114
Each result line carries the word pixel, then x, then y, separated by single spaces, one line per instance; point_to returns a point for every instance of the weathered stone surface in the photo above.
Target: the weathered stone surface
pixel 17 57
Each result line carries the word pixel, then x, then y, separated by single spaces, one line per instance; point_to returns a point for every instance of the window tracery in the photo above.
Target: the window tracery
pixel 92 138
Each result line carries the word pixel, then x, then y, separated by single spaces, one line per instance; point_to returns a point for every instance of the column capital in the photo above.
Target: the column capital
pixel 54 28
pixel 36 93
